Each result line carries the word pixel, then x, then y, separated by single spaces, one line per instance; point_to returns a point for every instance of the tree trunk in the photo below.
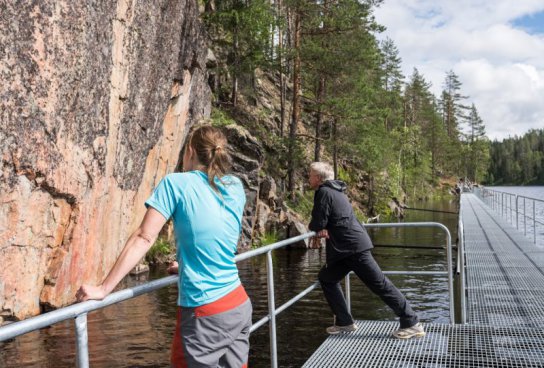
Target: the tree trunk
pixel 433 152
pixel 319 118
pixel 405 111
pixel 334 150
pixel 296 106
pixel 209 6
pixel 370 203
pixel 282 81
pixel 234 94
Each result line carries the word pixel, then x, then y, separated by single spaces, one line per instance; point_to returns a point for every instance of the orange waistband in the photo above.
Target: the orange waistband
pixel 230 301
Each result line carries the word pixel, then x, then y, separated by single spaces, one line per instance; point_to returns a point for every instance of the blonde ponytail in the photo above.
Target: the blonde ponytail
pixel 210 146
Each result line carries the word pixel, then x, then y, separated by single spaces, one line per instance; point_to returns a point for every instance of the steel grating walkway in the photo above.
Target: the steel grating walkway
pixel 444 346
pixel 504 270
pixel 505 310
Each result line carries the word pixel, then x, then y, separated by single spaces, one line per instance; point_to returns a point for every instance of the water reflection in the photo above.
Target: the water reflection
pixel 138 332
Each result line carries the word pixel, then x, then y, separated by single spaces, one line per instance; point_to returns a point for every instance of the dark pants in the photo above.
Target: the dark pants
pixel 366 268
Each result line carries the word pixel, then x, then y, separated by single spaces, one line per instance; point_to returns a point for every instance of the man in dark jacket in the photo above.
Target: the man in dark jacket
pixel 348 249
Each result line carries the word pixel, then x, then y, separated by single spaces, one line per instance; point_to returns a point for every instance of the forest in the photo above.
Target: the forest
pixel 341 80
pixel 518 160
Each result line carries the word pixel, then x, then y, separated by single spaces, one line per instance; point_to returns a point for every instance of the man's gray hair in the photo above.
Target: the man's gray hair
pixel 323 169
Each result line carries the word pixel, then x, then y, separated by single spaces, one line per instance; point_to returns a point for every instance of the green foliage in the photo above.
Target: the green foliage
pixel 268 238
pixel 518 160
pixel 394 171
pixel 241 30
pixel 382 195
pixel 160 251
pixel 345 175
pixel 360 215
pixel 303 204
pixel 220 118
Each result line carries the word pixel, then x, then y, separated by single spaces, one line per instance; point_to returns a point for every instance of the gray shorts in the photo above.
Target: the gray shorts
pixel 214 335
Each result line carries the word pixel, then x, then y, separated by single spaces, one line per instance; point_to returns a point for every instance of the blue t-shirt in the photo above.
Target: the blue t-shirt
pixel 207 226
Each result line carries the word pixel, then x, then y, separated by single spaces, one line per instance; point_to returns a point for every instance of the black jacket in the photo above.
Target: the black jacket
pixel 332 211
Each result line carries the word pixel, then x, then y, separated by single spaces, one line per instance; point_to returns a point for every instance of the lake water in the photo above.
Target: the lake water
pixel 138 332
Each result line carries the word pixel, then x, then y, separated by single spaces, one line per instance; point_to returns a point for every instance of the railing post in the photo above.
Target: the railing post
pixel 271 310
pixel 517 212
pixel 534 222
pixel 507 208
pixel 510 208
pixel 496 201
pixel 461 255
pixel 82 341
pixel 492 199
pixel 348 292
pixel 524 219
pixel 450 276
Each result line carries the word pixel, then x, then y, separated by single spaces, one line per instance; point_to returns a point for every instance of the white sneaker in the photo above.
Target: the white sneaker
pixel 333 330
pixel 407 333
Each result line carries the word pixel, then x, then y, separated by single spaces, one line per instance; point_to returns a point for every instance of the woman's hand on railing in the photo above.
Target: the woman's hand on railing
pixel 88 292
pixel 173 268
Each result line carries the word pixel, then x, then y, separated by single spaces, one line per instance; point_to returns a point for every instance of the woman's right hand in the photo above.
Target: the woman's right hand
pixel 88 292
pixel 173 268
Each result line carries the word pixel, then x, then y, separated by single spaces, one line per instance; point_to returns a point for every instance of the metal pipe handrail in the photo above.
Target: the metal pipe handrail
pixel 461 258
pixel 497 199
pixel 47 319
pixel 448 253
pixel 286 305
pixel 79 311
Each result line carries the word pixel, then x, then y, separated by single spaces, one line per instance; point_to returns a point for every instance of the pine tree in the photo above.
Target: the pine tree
pixel 420 109
pixel 453 111
pixel 242 29
pixel 392 79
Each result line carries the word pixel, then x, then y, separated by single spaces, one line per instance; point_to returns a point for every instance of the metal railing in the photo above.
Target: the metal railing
pixel 461 265
pixel 79 311
pixel 508 206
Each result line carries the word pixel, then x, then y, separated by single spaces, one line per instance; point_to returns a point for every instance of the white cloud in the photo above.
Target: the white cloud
pixel 501 67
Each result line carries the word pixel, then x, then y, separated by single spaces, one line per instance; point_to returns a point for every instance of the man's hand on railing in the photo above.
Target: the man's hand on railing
pixel 315 242
pixel 88 292
pixel 173 268
pixel 323 234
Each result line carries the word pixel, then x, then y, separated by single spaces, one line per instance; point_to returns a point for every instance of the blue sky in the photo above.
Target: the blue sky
pixel 532 23
pixel 495 47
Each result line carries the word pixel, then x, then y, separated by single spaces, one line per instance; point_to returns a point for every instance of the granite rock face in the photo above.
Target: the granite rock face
pixel 247 158
pixel 95 103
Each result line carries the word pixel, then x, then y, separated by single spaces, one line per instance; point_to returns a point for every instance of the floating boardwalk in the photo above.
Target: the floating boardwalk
pixel 505 310
pixel 462 346
pixel 505 270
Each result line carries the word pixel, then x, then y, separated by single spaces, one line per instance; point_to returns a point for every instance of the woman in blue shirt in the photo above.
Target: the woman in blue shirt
pixel 206 206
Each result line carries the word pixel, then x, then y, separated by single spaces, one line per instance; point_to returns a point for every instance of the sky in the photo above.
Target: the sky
pixel 495 47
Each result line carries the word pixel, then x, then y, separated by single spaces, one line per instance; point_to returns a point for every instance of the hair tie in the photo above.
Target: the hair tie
pixel 217 148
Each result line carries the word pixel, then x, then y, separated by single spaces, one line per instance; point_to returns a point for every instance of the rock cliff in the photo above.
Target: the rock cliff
pixel 96 99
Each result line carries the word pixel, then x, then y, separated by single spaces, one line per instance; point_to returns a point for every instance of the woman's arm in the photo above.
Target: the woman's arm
pixel 135 248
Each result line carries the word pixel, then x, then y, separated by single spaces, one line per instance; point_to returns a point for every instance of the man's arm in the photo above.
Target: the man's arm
pixel 321 211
